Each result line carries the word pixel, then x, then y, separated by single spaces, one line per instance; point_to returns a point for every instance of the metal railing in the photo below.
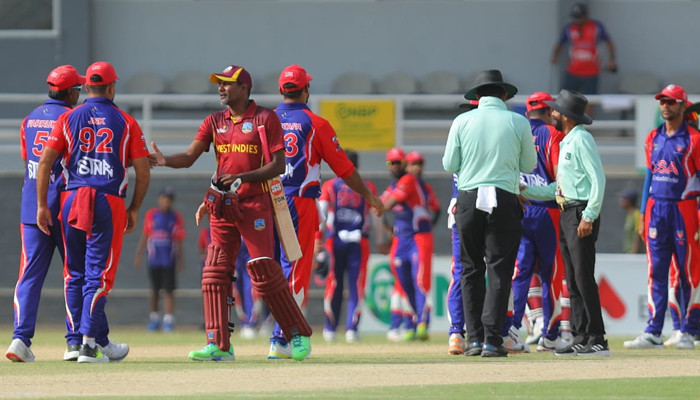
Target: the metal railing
pixel 162 114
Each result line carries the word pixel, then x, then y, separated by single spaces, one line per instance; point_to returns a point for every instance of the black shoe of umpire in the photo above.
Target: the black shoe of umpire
pixel 597 346
pixel 489 350
pixel 473 349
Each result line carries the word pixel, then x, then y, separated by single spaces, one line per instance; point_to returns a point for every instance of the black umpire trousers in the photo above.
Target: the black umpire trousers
pixel 489 244
pixel 579 264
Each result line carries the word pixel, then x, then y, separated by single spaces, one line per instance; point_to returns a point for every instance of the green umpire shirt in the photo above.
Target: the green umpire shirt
pixel 490 146
pixel 580 175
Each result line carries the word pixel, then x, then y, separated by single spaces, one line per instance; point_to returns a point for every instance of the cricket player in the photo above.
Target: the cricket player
pixel 37 248
pixel 670 221
pixel 347 223
pixel 538 251
pixel 238 134
pixel 96 142
pixel 308 139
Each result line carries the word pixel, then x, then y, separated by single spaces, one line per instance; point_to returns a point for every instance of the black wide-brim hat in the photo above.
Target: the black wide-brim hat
pixel 490 77
pixel 573 105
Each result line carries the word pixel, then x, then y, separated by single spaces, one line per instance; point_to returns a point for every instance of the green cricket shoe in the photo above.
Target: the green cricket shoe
pixel 301 347
pixel 211 352
pixel 422 331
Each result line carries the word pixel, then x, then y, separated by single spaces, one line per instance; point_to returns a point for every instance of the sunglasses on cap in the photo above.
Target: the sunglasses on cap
pixel 669 101
pixel 393 162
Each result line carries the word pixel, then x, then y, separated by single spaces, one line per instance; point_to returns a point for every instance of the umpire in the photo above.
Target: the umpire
pixel 488 147
pixel 579 189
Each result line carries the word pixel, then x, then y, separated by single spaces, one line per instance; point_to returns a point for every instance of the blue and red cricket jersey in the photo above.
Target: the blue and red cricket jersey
pixel 162 229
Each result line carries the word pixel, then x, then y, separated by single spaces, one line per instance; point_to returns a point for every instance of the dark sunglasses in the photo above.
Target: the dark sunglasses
pixel 670 102
pixel 393 162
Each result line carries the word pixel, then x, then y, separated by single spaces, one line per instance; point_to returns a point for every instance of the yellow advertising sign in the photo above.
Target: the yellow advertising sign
pixel 361 124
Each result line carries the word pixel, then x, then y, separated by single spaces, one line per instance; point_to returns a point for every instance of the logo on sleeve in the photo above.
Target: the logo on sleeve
pixel 259 224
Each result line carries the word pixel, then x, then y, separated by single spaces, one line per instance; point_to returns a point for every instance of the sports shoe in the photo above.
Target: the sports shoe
pixel 19 352
pixel 674 338
pixel 571 350
pixel 153 326
pixel 595 349
pixel 168 327
pixel 558 344
pixel 687 342
pixel 351 336
pixel 115 351
pixel 279 351
pixel 91 354
pixel 513 342
pixel 328 336
pixel 248 332
pixel 212 352
pixel 473 349
pixel 422 331
pixel 72 352
pixel 301 347
pixel 408 336
pixel 536 334
pixel 489 350
pixel 645 341
pixel 456 344
pixel 394 335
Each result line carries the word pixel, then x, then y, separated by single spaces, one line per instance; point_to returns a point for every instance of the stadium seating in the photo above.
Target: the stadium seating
pixel 191 82
pixel 638 82
pixel 397 83
pixel 441 82
pixel 353 83
pixel 145 82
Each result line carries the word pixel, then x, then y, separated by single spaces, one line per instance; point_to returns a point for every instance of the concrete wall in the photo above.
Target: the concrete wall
pixel 333 37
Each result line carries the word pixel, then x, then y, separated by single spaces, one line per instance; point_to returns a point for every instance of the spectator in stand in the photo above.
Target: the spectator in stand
pixel 583 35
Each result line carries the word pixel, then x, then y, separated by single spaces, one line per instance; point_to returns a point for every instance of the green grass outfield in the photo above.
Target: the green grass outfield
pixel 157 367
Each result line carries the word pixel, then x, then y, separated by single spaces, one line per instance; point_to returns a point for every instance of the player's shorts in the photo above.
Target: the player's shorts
pixel 582 84
pixel 162 278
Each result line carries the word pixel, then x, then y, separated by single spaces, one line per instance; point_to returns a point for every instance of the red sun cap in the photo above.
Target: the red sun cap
pixel 414 157
pixel 64 77
pixel 673 92
pixel 100 73
pixel 296 76
pixel 232 73
pixel 395 154
pixel 537 100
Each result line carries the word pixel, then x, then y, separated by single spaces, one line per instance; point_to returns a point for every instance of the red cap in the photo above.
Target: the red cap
pixel 232 73
pixel 414 157
pixel 395 154
pixel 537 100
pixel 100 73
pixel 673 92
pixel 64 77
pixel 295 75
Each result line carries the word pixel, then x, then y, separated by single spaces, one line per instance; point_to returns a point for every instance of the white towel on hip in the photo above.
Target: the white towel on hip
pixel 486 198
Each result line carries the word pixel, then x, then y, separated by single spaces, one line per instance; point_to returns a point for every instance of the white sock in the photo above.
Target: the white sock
pixel 168 319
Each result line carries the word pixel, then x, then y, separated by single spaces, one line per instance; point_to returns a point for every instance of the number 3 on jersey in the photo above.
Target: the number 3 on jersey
pixel 291 147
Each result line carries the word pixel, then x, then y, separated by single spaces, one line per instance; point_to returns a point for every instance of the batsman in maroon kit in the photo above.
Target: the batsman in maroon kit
pixel 235 134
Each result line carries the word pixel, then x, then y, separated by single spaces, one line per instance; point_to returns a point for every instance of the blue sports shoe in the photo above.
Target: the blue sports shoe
pixel 153 326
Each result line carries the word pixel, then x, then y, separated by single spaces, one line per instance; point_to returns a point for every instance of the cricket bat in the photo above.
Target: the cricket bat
pixel 283 220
